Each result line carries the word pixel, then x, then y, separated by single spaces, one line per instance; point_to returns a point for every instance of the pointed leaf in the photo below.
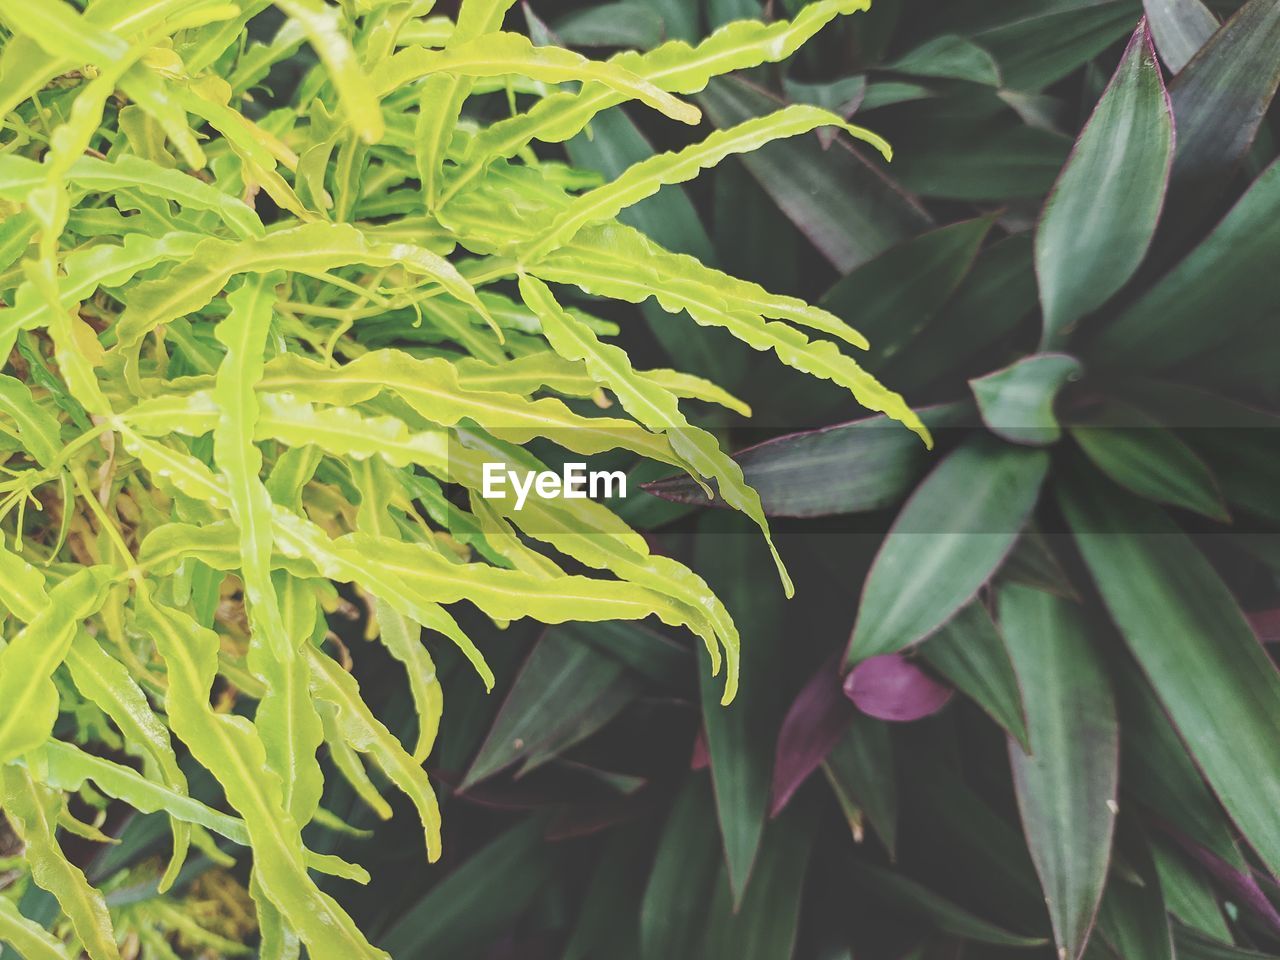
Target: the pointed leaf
pixel 1017 402
pixel 1181 28
pixel 1101 215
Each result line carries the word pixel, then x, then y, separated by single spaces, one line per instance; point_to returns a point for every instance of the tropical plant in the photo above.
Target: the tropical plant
pixel 263 334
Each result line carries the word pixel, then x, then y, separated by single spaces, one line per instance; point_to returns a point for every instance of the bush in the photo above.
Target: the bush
pixel 279 283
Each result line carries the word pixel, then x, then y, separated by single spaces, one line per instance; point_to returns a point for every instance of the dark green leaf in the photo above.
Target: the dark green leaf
pixel 673 912
pixel 1101 214
pixel 482 896
pixel 860 769
pixel 1015 162
pixel 1187 633
pixel 1133 918
pixel 766 924
pixel 565 691
pixel 1066 787
pixel 622 24
pixel 849 468
pixel 1233 265
pixel 1046 46
pixel 843 203
pixel 1220 98
pixel 946 543
pixel 1187 892
pixel 951 57
pixel 948 917
pixel 1193 945
pixel 892 298
pixel 740 736
pixel 1016 403
pixel 1148 459
pixel 970 652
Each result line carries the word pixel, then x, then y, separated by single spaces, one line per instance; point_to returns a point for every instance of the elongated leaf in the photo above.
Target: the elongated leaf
pixel 591 688
pixel 512 53
pixel 848 468
pixel 1187 633
pixel 949 56
pixel 30 939
pixel 1220 98
pixel 861 770
pixel 1067 787
pixel 33 810
pixel 1165 325
pixel 970 652
pixel 950 536
pixel 648 176
pixel 840 200
pixel 906 894
pixel 1180 28
pixel 1133 917
pixel 1101 215
pixel 1186 892
pixel 675 66
pixel 815 723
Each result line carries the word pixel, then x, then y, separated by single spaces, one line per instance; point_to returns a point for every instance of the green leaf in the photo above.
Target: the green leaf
pixel 861 771
pixel 837 198
pixel 848 468
pixel 909 896
pixel 1181 28
pixel 946 543
pixel 644 179
pixel 1099 220
pixel 1042 48
pixel 1186 631
pixel 1219 100
pixel 738 736
pixel 950 57
pixel 484 894
pixel 767 923
pixel 30 939
pixel 894 296
pixel 681 881
pixel 32 810
pixel 1166 324
pixel 970 652
pixel 1013 163
pixel 565 691
pixel 1017 402
pixel 1067 787
pixel 500 54
pixel 1133 917
pixel 1187 892
pixel 1150 460
pixel 621 24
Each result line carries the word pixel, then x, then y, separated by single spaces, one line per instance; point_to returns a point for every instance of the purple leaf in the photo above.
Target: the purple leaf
pixel 814 724
pixel 891 687
pixel 1241 884
pixel 1266 624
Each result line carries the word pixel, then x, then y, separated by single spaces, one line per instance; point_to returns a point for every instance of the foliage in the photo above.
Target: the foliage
pixel 1018 706
pixel 262 333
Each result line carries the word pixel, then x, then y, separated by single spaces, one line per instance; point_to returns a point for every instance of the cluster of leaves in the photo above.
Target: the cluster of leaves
pixel 1024 702
pixel 263 331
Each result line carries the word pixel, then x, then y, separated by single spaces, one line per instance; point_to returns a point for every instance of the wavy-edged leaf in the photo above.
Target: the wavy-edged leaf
pixel 229 747
pixel 1186 631
pixel 1101 215
pixel 27 663
pixel 363 731
pixel 500 54
pixel 32 810
pixel 950 537
pixel 1067 787
pixel 675 66
pixel 652 406
pixel 645 178
pixel 27 937
pixel 621 263
pixel 310 248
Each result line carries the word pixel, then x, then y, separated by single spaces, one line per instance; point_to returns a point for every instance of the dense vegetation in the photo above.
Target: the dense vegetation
pixel 278 278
